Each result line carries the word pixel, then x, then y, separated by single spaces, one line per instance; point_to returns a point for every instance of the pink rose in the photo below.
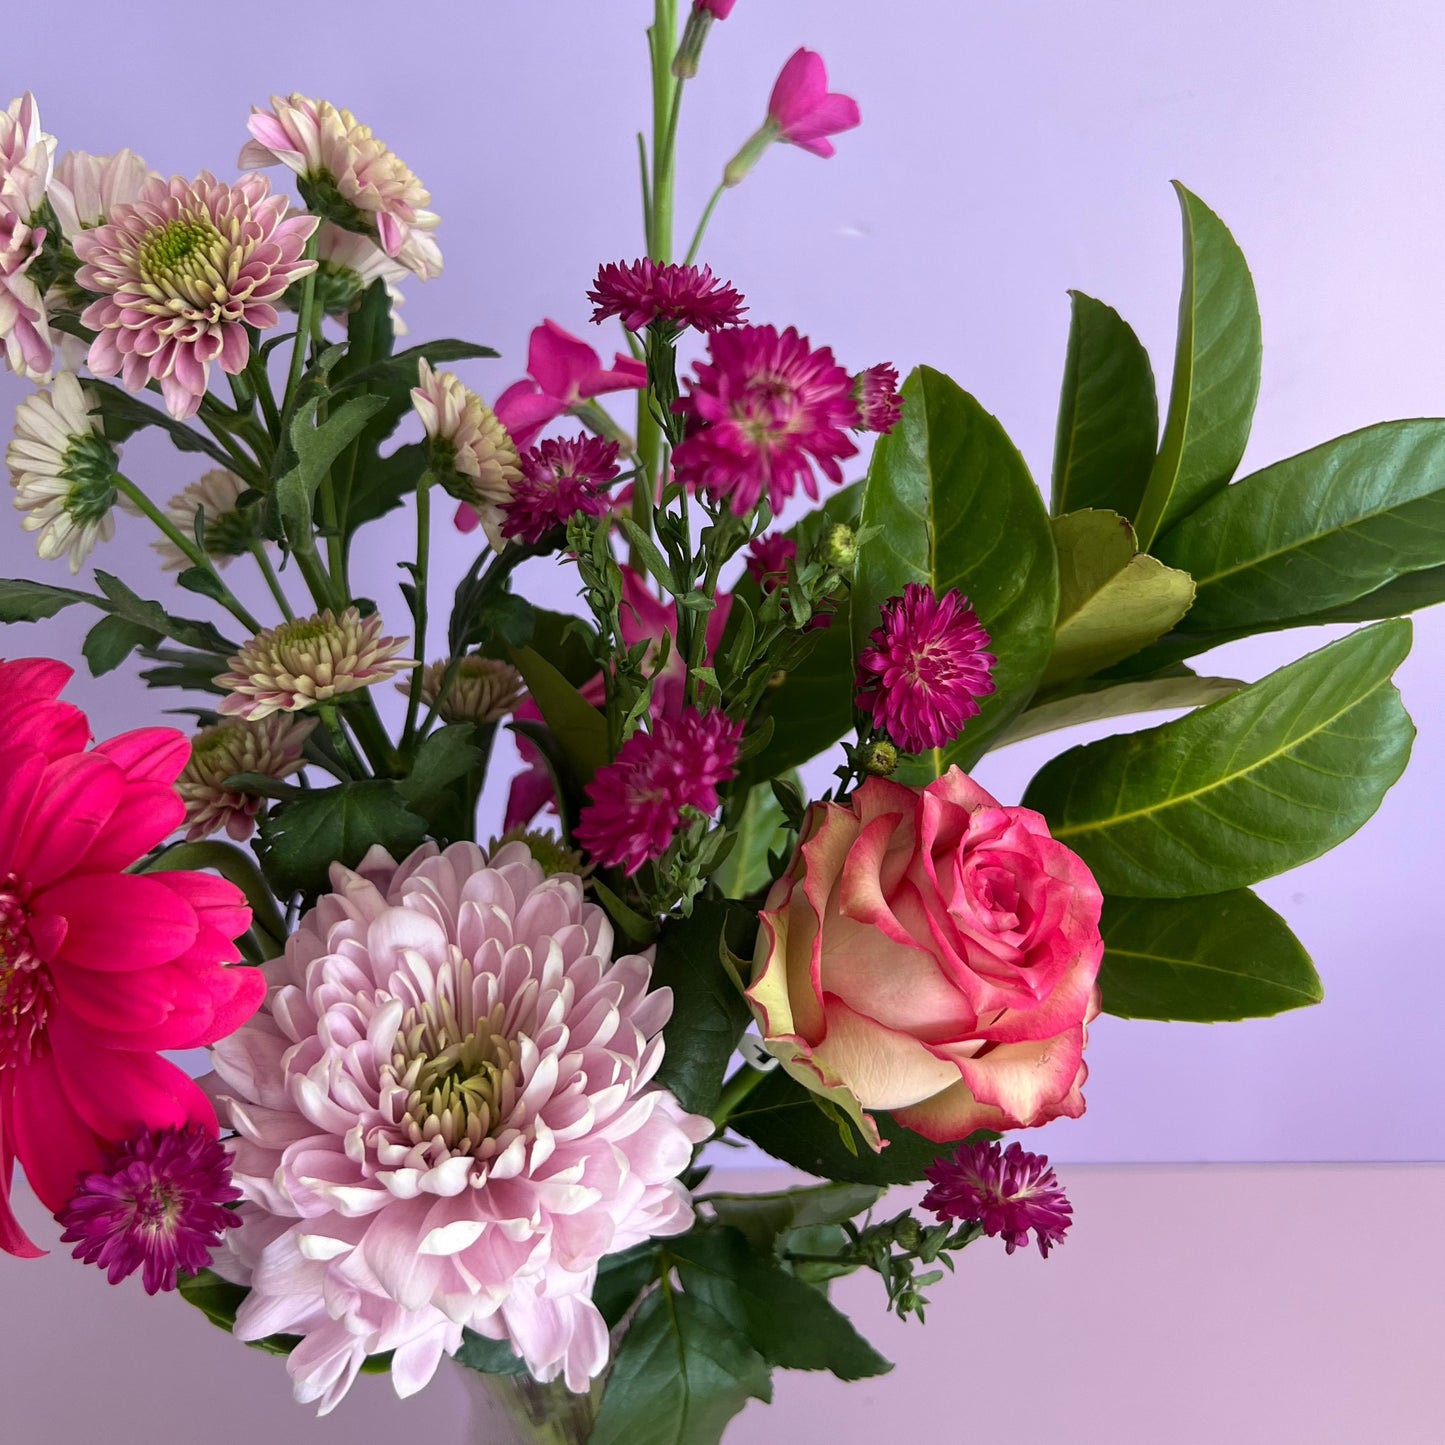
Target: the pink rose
pixel 932 954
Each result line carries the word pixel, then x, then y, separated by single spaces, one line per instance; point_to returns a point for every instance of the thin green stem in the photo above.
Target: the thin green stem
pixel 331 720
pixel 702 225
pixel 366 724
pixel 244 465
pixel 737 1088
pixel 419 602
pixel 258 551
pixel 303 330
pixel 261 380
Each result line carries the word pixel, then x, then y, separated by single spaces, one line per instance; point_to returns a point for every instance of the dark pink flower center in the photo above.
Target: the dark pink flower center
pixel 27 991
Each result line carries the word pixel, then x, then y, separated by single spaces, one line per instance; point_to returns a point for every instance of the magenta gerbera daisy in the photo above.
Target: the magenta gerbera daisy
pixel 763 410
pixel 1008 1191
pixel 925 668
pixel 679 296
pixel 157 1204
pixel 559 479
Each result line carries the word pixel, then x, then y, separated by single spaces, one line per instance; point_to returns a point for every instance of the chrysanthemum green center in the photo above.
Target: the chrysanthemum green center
pixel 89 466
pixel 182 258
pixel 27 991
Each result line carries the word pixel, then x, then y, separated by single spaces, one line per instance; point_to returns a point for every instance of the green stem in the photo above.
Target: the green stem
pixel 419 600
pixel 737 1088
pixel 303 331
pixel 193 553
pixel 331 721
pixel 245 467
pixel 258 551
pixel 702 225
pixel 261 380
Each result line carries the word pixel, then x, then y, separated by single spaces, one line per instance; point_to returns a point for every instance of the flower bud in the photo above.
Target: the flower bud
pixel 840 547
pixel 880 759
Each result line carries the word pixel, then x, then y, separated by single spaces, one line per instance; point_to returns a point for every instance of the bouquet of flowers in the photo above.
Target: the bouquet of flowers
pixel 466 1097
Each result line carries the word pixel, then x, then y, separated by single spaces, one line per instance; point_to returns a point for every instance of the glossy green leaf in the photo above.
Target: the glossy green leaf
pixel 681 1373
pixel 1116 699
pixel 579 728
pixel 1108 427
pixel 1113 600
pixel 954 506
pixel 1317 530
pixel 1202 960
pixel 1410 593
pixel 763 1219
pixel 1216 375
pixel 762 830
pixel 1244 788
pixel 22 600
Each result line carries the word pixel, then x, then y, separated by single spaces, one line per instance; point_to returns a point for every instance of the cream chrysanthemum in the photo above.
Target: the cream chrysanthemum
pixel 445 1119
pixel 27 156
pixel 229 530
pixel 86 189
pixel 483 689
pixel 63 472
pixel 347 263
pixel 271 747
pixel 311 660
pixel 469 451
pixel 347 175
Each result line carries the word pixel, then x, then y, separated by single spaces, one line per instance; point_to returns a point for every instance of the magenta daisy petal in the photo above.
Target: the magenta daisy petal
pixel 765 408
pixel 768 559
pixel 157 1204
pixel 559 479
pixel 925 668
pixel 1008 1191
pixel 645 293
pixel 879 403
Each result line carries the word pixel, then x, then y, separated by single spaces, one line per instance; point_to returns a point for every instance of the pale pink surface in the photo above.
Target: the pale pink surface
pixel 103 968
pixel 160 325
pixel 367 1229
pixel 932 954
pixel 27 154
pixel 805 111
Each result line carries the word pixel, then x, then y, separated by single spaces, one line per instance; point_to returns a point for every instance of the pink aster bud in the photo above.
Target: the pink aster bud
pixel 879 403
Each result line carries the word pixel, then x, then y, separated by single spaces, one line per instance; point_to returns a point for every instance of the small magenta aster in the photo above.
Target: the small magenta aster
pixel 768 559
pixel 763 409
pixel 1007 1191
pixel 636 802
pixel 158 1204
pixel 272 747
pixel 925 668
pixel 879 404
pixel 559 479
pixel 646 293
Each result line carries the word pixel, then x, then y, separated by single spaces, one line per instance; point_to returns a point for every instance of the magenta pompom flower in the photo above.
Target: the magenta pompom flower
pixel 768 559
pixel 879 404
pixel 646 293
pixel 764 408
pixel 636 802
pixel 559 479
pixel 925 668
pixel 157 1204
pixel 182 273
pixel 1008 1191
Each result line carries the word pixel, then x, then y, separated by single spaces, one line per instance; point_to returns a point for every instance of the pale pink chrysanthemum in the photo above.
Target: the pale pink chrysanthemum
pixel 559 479
pixel 27 156
pixel 310 660
pixel 157 1204
pixel 879 403
pixel 346 264
pixel 272 747
pixel 469 451
pixel 347 175
pixel 482 690
pixel 646 292
pixel 1008 1191
pixel 230 530
pixel 635 804
pixel 182 273
pixel 470 1070
pixel 764 408
pixel 86 189
pixel 925 668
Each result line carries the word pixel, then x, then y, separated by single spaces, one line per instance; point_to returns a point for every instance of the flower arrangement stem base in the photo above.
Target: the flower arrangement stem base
pixel 516 1410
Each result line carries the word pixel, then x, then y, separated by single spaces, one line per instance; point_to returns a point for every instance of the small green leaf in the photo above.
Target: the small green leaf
pixel 112 640
pixel 763 1219
pixel 316 447
pixel 22 600
pixel 125 604
pixel 113 403
pixel 1216 957
pixel 488 1357
pixel 202 580
pixel 403 366
pixel 218 1299
pixel 1099 700
pixel 761 831
pixel 579 728
pixel 446 755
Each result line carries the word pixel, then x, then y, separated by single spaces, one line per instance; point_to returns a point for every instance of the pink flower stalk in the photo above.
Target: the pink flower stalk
pixel 1007 1191
pixel 636 802
pixel 100 969
pixel 559 479
pixel 768 559
pixel 804 110
pixel 157 1204
pixel 347 175
pixel 645 293
pixel 564 373
pixel 27 154
pixel 183 271
pixel 925 668
pixel 880 406
pixel 446 1119
pixel 764 408
pixel 87 189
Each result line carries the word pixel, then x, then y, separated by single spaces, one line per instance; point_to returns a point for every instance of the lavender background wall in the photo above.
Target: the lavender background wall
pixel 1007 154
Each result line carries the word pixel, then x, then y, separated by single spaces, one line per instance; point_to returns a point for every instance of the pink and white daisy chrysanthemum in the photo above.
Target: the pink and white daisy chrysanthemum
pixel 559 479
pixel 645 293
pixel 86 189
pixel 271 747
pixel 470 1069
pixel 764 408
pixel 230 530
pixel 924 669
pixel 879 403
pixel 183 272
pixel 482 690
pixel 635 804
pixel 1008 1191
pixel 27 156
pixel 347 175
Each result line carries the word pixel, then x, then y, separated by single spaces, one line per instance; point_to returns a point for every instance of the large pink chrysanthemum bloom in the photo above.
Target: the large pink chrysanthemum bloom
pixel 346 174
pixel 27 156
pixel 182 273
pixel 764 408
pixel 99 968
pixel 445 1120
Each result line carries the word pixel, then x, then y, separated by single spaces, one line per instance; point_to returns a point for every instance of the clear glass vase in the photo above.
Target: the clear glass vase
pixel 516 1410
